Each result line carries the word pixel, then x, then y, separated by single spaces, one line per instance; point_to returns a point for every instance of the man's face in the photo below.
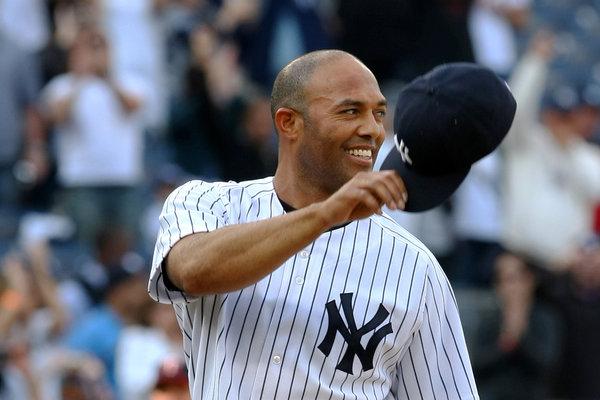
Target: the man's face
pixel 343 123
pixel 584 120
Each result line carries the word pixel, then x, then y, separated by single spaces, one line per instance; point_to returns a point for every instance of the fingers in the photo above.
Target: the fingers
pixel 387 188
pixel 364 195
pixel 369 201
pixel 395 186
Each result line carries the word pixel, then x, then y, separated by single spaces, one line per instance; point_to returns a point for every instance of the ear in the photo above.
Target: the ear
pixel 288 123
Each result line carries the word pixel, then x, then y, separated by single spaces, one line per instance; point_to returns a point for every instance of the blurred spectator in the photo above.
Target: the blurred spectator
pixel 388 33
pixel 179 19
pixel 99 330
pixel 25 22
pixel 552 174
pixel 597 220
pixel 113 247
pixel 99 136
pixel 143 347
pixel 182 20
pixel 16 378
pixel 578 297
pixel 84 382
pixel 403 39
pixel 33 319
pixel 517 344
pixel 254 151
pixel 22 144
pixel 137 46
pixel 66 17
pixel 203 121
pixel 282 31
pixel 494 26
pixel 477 204
pixel 477 223
pixel 195 127
pixel 172 382
pixel 166 179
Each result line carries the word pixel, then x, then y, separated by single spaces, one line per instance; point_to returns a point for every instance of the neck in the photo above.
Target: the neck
pixel 295 190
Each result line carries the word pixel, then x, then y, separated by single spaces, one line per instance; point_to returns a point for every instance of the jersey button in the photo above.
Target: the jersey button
pixel 299 280
pixel 304 254
pixel 277 360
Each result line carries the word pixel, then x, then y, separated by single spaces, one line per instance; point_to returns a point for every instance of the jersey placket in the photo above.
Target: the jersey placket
pixel 272 356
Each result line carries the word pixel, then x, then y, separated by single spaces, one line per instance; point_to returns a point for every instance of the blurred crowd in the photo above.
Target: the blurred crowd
pixel 107 105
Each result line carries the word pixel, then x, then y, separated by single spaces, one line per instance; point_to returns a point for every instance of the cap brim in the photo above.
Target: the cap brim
pixel 424 192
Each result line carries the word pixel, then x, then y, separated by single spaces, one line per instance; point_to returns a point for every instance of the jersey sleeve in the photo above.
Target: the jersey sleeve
pixel 436 364
pixel 194 207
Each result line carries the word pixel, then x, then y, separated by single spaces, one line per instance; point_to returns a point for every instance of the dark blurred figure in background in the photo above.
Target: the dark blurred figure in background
pixel 477 206
pixel 23 155
pixel 517 344
pixel 283 30
pixel 113 246
pixel 254 152
pixel 577 294
pixel 403 39
pixel 203 118
pixel 221 127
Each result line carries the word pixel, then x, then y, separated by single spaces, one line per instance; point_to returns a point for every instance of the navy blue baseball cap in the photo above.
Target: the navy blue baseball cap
pixel 446 120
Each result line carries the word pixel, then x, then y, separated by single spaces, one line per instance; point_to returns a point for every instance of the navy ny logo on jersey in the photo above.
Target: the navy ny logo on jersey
pixel 352 335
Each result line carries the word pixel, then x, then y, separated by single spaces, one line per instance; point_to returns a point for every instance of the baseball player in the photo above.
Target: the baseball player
pixel 297 286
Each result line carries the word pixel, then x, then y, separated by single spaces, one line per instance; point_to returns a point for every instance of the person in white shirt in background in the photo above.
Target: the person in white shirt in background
pixel 551 173
pixel 138 47
pixel 143 347
pixel 494 26
pixel 99 135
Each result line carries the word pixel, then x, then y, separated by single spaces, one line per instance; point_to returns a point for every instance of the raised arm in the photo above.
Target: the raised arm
pixel 236 256
pixel 527 84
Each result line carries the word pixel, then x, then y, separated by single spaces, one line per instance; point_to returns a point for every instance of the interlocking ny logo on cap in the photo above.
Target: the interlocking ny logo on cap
pixel 352 335
pixel 403 150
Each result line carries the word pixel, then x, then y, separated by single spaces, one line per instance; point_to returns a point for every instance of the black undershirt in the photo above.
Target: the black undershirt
pixel 287 208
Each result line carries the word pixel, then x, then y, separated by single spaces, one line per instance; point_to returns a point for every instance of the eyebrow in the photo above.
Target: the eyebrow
pixel 351 102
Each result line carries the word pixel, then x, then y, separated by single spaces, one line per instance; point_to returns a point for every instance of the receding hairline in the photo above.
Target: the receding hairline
pixel 289 85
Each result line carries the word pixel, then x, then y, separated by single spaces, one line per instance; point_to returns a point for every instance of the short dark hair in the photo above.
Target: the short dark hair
pixel 288 88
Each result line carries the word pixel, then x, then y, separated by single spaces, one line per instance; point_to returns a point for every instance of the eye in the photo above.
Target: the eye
pixel 350 111
pixel 380 113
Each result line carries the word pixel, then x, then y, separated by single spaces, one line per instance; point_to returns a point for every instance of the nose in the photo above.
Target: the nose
pixel 371 127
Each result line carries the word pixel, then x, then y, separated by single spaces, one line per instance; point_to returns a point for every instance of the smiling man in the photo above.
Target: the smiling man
pixel 296 286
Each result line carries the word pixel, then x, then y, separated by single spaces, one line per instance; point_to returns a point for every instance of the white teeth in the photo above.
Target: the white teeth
pixel 360 152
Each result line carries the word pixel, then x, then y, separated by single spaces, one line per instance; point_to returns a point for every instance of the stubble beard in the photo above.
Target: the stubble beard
pixel 315 170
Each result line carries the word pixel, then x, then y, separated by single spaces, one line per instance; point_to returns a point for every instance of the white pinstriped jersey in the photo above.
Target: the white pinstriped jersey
pixel 363 312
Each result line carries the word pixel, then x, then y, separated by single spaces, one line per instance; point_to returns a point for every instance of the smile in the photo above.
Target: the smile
pixel 362 153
